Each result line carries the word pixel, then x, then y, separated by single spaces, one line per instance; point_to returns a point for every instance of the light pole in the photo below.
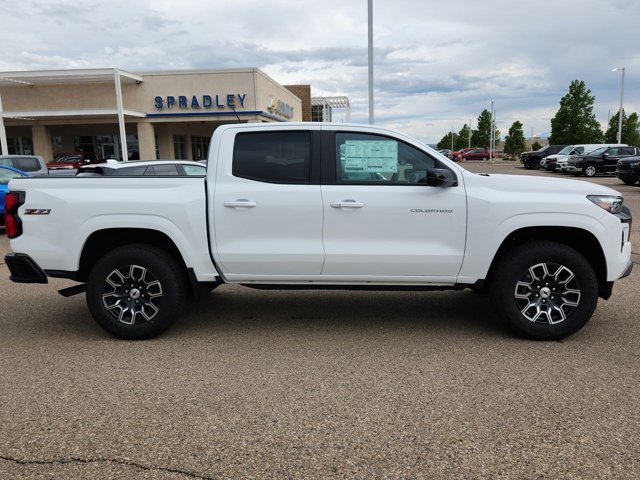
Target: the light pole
pixel 621 97
pixel 491 132
pixel 370 48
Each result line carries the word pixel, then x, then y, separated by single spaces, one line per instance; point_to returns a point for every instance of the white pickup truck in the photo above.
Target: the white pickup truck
pixel 307 205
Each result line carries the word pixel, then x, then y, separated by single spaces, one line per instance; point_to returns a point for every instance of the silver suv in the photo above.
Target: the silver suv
pixel 31 164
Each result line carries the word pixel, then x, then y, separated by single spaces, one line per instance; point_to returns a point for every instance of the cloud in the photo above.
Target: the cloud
pixel 435 63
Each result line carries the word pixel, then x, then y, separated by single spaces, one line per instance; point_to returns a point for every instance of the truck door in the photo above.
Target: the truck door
pixel 381 219
pixel 267 205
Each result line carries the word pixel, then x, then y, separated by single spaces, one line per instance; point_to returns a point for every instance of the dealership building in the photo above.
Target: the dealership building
pixel 167 115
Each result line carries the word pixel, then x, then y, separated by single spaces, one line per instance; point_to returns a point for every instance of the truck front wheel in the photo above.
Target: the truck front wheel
pixel 544 290
pixel 136 292
pixel 590 170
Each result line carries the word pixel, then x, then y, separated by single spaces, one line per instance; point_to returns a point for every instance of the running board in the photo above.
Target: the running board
pixel 75 290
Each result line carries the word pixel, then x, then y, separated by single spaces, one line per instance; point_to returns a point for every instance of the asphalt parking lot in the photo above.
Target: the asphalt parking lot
pixel 319 384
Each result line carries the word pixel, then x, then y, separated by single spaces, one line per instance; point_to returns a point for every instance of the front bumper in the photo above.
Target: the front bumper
pixel 572 168
pixel 627 175
pixel 24 269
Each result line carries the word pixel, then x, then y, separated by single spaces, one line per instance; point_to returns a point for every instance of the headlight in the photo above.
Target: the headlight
pixel 610 203
pixel 634 164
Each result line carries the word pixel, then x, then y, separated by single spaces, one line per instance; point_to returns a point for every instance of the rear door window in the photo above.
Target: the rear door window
pixel 194 171
pixel 163 170
pixel 129 171
pixel 273 157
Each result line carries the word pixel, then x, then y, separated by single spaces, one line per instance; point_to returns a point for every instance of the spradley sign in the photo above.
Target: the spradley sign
pixel 196 102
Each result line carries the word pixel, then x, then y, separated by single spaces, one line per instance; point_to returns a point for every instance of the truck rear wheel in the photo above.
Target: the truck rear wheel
pixel 136 292
pixel 544 290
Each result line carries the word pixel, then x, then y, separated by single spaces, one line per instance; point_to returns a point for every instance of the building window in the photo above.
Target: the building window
pixel 199 148
pixel 180 147
pixel 20 146
pixel 107 146
pixel 316 113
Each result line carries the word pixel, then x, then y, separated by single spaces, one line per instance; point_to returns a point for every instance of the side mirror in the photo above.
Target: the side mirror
pixel 440 177
pixel 605 155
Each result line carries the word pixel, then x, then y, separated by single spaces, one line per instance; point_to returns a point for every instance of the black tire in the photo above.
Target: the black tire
pixel 535 309
pixel 629 181
pixel 159 291
pixel 590 170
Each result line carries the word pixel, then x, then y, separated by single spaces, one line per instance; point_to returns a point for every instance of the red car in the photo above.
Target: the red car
pixel 457 155
pixel 476 154
pixel 71 161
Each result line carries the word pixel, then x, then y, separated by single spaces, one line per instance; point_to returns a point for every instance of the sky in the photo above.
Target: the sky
pixel 437 64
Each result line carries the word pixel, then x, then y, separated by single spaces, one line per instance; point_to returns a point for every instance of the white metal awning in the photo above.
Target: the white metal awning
pixel 62 77
pixel 69 114
pixel 329 103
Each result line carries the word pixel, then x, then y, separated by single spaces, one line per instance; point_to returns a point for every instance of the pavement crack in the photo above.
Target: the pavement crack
pixel 67 460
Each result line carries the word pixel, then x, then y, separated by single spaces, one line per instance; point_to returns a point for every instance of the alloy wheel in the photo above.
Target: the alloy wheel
pixel 590 170
pixel 547 293
pixel 131 294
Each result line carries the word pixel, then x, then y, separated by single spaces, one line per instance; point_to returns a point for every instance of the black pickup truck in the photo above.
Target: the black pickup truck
pixel 628 170
pixel 531 160
pixel 602 160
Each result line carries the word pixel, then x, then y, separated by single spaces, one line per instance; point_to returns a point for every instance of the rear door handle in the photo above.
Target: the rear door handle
pixel 240 203
pixel 347 204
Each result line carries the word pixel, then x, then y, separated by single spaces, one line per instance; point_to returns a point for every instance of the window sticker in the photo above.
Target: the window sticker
pixel 370 156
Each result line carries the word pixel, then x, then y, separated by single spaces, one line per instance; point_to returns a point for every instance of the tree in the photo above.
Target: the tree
pixel 575 122
pixel 536 146
pixel 515 143
pixel 463 137
pixel 482 136
pixel 446 141
pixel 630 129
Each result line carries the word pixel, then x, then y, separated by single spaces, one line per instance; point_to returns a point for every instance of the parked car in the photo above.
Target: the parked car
pixel 457 155
pixel 68 163
pixel 531 160
pixel 628 170
pixel 31 164
pixel 446 152
pixel 476 154
pixel 601 160
pixel 558 162
pixel 6 174
pixel 146 168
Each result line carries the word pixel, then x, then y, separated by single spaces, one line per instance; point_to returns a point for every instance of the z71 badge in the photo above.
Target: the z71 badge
pixel 37 211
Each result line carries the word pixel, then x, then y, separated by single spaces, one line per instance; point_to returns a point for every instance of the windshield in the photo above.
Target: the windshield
pixel 543 148
pixel 67 158
pixel 6 175
pixel 566 150
pixel 599 151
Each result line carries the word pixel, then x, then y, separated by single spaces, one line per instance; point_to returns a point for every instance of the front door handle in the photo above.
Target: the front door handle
pixel 240 203
pixel 347 204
